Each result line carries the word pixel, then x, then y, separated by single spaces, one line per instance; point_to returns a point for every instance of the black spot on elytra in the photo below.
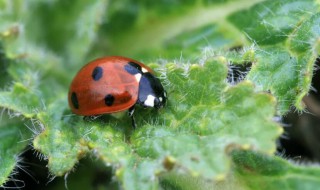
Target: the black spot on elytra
pixel 133 68
pixel 109 99
pixel 97 73
pixel 74 100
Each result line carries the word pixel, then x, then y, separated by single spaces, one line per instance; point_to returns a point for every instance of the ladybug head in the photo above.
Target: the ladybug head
pixel 160 100
pixel 151 92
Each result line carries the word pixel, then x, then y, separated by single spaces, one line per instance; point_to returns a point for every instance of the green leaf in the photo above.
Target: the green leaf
pixel 304 42
pixel 66 139
pixel 258 171
pixel 271 22
pixel 276 70
pixel 14 137
pixel 213 115
pixel 306 37
pixel 287 74
pixel 18 101
pixel 21 100
pixel 205 119
pixel 135 175
pixel 58 140
pixel 200 91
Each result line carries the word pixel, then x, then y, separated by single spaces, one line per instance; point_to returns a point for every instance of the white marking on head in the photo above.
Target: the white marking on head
pixel 165 94
pixel 144 70
pixel 160 99
pixel 138 77
pixel 149 101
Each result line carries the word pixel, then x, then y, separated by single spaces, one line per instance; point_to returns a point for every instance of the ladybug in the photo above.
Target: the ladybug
pixel 113 84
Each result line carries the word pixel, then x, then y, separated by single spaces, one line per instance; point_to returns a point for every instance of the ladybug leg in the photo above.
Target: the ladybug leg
pixel 90 118
pixel 131 111
pixel 86 118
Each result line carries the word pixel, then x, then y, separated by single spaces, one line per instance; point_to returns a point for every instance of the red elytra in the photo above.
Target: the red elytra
pixel 104 86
